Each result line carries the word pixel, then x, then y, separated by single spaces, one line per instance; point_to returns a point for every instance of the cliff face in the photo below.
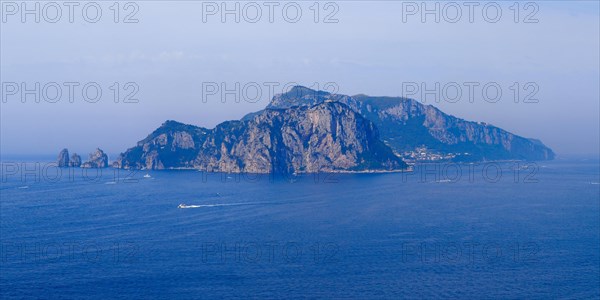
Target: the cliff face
pixel 407 125
pixel 327 137
pixel 172 145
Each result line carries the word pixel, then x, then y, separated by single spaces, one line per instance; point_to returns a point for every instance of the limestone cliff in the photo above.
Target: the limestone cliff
pixel 407 125
pixel 327 137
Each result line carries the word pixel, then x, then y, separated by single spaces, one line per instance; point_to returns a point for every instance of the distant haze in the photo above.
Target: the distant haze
pixel 171 52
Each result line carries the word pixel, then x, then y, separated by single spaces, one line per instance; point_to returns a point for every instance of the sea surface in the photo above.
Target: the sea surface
pixel 499 230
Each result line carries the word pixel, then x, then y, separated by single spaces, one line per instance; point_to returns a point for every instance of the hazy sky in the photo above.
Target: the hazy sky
pixel 171 52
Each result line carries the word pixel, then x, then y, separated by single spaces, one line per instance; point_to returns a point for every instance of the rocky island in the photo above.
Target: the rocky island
pixel 63 158
pixel 97 159
pixel 75 160
pixel 305 130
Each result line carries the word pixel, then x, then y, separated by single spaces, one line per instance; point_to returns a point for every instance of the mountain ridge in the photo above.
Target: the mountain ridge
pixel 307 131
pixel 409 126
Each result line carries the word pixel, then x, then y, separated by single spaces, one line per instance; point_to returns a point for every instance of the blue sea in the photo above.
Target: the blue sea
pixel 483 231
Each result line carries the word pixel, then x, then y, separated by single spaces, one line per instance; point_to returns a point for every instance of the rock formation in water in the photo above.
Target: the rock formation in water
pixel 63 158
pixel 75 160
pixel 97 159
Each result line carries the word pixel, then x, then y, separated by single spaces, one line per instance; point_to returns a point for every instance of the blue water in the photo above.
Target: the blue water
pixel 363 236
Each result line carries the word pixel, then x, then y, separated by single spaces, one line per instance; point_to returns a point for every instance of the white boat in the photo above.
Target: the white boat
pixel 147 175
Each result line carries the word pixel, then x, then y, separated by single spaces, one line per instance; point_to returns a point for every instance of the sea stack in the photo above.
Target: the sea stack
pixel 75 160
pixel 97 159
pixel 63 158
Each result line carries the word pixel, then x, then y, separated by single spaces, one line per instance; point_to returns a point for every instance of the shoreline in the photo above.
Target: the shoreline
pixel 411 167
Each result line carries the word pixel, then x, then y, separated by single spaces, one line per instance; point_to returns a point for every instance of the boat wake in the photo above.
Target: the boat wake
pixel 188 206
pixel 444 181
pixel 218 204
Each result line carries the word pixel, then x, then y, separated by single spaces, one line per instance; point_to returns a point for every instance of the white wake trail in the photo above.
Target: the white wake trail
pixel 220 204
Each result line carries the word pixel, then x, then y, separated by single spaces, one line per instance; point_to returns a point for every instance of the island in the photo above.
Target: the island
pixel 305 131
